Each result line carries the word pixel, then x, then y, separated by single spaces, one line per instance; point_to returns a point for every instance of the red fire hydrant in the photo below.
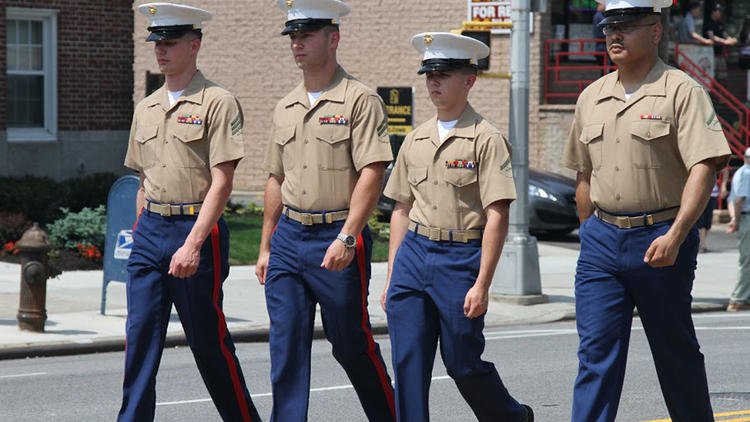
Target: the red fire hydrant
pixel 33 248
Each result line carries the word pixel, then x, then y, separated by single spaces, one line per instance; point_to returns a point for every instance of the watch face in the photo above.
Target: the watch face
pixel 348 240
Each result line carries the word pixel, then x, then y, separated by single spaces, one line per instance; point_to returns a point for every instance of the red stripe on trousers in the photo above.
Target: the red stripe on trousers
pixel 137 218
pixel 360 252
pixel 223 326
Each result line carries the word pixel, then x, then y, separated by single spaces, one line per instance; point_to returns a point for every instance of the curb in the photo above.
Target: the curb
pixel 248 335
pixel 117 344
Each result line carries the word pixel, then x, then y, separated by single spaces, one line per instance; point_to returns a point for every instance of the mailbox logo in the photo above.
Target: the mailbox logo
pixel 124 244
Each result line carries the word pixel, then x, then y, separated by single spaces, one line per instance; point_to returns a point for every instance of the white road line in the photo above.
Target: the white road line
pixel 492 335
pixel 255 396
pixel 32 374
pixel 739 327
pixel 721 315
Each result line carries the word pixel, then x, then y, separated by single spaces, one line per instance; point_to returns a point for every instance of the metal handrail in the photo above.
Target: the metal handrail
pixel 557 68
pixel 739 138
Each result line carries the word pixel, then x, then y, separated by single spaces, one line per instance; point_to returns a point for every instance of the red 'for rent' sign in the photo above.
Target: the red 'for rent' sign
pixel 490 11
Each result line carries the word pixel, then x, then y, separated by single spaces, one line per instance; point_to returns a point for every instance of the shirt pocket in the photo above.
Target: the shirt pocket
pixel 284 137
pixel 192 152
pixel 649 137
pixel 460 177
pixel 334 149
pixel 416 175
pixel 145 135
pixel 592 137
pixel 463 181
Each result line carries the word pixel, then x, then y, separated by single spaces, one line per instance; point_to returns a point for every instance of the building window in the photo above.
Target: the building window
pixel 31 37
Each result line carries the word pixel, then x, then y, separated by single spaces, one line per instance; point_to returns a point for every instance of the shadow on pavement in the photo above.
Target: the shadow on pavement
pixel 69 332
pixel 561 299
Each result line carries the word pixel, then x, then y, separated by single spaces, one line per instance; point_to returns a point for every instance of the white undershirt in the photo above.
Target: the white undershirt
pixel 444 128
pixel 313 96
pixel 173 96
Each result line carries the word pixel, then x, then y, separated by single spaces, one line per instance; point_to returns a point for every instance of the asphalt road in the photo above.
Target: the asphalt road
pixel 538 365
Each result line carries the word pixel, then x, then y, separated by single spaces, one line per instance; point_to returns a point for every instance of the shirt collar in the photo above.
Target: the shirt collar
pixel 654 84
pixel 192 93
pixel 464 128
pixel 335 92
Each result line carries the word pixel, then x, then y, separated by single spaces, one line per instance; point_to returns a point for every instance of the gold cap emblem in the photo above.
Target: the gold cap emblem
pixel 289 4
pixel 151 10
pixel 427 39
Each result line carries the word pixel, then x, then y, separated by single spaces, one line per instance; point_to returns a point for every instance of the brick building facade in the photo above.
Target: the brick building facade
pixel 243 51
pixel 80 54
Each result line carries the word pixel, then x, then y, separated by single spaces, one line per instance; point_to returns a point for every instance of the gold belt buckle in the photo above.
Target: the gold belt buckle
pixel 628 224
pixel 306 219
pixel 650 220
pixel 168 211
pixel 434 234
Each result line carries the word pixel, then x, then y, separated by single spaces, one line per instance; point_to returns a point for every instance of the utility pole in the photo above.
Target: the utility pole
pixel 517 278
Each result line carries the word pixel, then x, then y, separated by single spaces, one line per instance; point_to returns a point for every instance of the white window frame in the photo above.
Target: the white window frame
pixel 48 17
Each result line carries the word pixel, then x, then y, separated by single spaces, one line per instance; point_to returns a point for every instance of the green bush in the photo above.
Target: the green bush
pixel 237 209
pixel 12 226
pixel 87 227
pixel 380 230
pixel 40 199
pixel 37 198
pixel 88 191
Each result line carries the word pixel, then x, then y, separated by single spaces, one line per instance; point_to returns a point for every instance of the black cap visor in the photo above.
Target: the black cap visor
pixel 306 25
pixel 159 33
pixel 432 65
pixel 631 14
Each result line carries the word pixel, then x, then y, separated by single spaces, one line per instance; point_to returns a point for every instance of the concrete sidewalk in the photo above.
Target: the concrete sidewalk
pixel 74 324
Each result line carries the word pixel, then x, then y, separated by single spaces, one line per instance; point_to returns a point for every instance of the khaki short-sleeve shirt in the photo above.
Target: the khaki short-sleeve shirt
pixel 175 147
pixel 639 151
pixel 320 150
pixel 451 184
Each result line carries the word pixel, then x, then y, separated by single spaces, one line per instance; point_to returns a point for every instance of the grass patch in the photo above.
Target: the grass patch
pixel 244 238
pixel 244 246
pixel 379 250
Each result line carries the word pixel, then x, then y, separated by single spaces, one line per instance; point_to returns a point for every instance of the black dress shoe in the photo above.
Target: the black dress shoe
pixel 529 413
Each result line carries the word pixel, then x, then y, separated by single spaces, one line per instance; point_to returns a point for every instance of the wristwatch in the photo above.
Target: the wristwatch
pixel 349 240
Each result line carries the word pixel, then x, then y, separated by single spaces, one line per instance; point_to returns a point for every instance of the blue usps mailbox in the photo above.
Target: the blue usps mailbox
pixel 119 240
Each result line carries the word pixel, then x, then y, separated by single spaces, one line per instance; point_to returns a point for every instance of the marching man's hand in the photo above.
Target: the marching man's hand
pixel 261 267
pixel 662 252
pixel 476 302
pixel 185 262
pixel 338 256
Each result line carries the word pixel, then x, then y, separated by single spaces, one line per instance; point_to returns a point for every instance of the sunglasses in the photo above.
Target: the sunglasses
pixel 610 29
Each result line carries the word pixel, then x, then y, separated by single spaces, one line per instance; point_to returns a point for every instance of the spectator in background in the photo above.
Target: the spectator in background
pixel 740 299
pixel 687 33
pixel 713 29
pixel 598 33
pixel 705 220
pixel 745 54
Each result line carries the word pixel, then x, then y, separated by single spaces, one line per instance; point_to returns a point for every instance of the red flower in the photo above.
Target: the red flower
pixel 89 251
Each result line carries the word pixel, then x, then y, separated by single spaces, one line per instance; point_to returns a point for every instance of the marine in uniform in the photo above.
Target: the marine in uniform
pixel 185 142
pixel 453 184
pixel 646 144
pixel 326 161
